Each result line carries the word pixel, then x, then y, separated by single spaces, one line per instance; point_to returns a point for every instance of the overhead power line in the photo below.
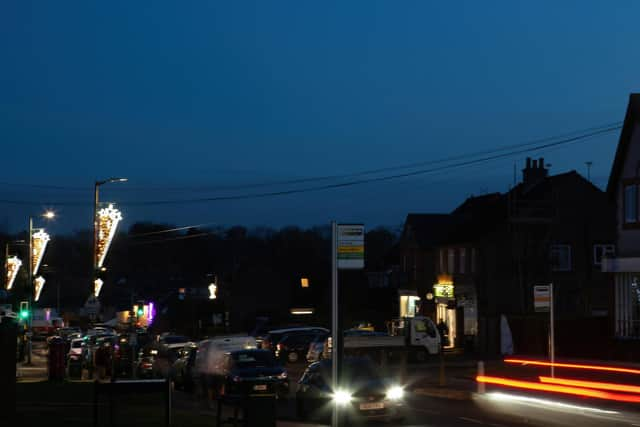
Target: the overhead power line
pixel 513 150
pixel 294 181
pixel 375 179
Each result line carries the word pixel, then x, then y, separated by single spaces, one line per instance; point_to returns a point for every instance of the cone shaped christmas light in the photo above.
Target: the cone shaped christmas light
pixel 40 240
pixel 13 265
pixel 108 219
pixel 39 285
pixel 97 286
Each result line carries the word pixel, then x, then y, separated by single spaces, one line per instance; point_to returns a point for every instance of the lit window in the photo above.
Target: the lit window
pixel 631 203
pixel 601 251
pixel 560 257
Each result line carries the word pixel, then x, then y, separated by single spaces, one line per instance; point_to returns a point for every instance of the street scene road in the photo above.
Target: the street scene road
pixel 336 213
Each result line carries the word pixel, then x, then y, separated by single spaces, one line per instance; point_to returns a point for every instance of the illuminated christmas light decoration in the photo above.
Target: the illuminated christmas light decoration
pixel 151 312
pixel 212 291
pixel 108 219
pixel 39 286
pixel 39 241
pixel 97 286
pixel 12 265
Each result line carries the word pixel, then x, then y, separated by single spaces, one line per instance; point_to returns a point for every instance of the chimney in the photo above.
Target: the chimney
pixel 534 172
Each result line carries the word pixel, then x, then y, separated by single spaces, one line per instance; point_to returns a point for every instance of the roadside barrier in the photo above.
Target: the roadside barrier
pixel 127 387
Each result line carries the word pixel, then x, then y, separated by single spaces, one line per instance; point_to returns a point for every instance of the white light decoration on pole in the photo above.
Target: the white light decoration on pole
pixel 13 265
pixel 212 291
pixel 97 286
pixel 40 240
pixel 108 219
pixel 39 285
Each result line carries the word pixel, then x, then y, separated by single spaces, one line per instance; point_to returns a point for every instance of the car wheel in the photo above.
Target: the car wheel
pixel 293 357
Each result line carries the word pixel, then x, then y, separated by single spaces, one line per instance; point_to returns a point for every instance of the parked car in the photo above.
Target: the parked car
pixel 181 371
pixel 294 348
pixel 251 372
pixel 144 368
pixel 274 336
pixel 208 363
pixel 368 396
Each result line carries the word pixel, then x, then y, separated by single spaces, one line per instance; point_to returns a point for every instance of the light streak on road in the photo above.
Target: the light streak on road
pixel 575 366
pixel 576 391
pixel 626 388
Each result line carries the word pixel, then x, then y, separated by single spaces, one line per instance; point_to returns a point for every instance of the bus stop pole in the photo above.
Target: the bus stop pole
pixel 334 321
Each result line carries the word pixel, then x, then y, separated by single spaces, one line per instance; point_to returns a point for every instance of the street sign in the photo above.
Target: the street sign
pixel 443 291
pixel 541 298
pixel 350 246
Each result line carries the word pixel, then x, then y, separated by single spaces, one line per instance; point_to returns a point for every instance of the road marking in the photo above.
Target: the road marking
pixel 471 420
pixel 496 425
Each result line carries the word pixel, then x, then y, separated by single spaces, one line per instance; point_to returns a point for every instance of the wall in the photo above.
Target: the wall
pixel 628 240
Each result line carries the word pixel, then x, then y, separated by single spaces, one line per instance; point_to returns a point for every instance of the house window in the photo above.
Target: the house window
pixel 451 262
pixel 631 204
pixel 462 261
pixel 560 257
pixel 601 251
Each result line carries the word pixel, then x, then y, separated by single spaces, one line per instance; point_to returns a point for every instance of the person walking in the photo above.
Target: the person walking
pixel 444 333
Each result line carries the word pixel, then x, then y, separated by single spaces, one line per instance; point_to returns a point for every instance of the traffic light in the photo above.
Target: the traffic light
pixel 140 311
pixel 24 310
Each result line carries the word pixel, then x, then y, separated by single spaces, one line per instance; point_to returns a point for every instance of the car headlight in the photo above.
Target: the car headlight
pixel 342 397
pixel 395 393
pixel 283 375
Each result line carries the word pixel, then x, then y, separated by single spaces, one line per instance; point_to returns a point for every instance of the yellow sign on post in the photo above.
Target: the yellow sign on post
pixel 350 246
pixel 444 290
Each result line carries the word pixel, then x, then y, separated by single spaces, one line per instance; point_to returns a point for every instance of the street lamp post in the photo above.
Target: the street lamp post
pixel 96 202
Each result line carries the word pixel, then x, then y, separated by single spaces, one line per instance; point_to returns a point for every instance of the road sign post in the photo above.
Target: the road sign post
pixel 543 302
pixel 347 253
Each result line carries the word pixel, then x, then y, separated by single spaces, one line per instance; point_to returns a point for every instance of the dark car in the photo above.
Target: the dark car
pixel 275 336
pixel 182 370
pixel 365 395
pixel 251 372
pixel 294 347
pixel 144 367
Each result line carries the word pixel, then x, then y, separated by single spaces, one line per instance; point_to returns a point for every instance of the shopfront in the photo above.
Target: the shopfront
pixel 444 293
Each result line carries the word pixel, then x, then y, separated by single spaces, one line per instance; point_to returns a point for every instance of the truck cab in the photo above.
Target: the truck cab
pixel 419 332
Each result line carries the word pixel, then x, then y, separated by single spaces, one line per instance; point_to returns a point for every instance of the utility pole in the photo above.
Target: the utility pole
pixel 589 163
pixel 30 290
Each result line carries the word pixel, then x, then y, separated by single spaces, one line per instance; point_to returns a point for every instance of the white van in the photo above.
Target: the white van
pixel 210 353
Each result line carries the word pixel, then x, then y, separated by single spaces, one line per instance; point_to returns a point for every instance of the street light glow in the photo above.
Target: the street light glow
pixel 49 214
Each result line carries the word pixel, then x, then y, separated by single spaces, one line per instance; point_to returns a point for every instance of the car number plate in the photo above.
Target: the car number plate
pixel 371 406
pixel 260 387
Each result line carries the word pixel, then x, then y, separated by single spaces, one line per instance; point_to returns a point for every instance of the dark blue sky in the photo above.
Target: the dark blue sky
pixel 186 96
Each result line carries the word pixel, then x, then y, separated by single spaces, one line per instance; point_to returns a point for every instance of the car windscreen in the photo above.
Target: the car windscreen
pixel 360 370
pixel 76 344
pixel 253 359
